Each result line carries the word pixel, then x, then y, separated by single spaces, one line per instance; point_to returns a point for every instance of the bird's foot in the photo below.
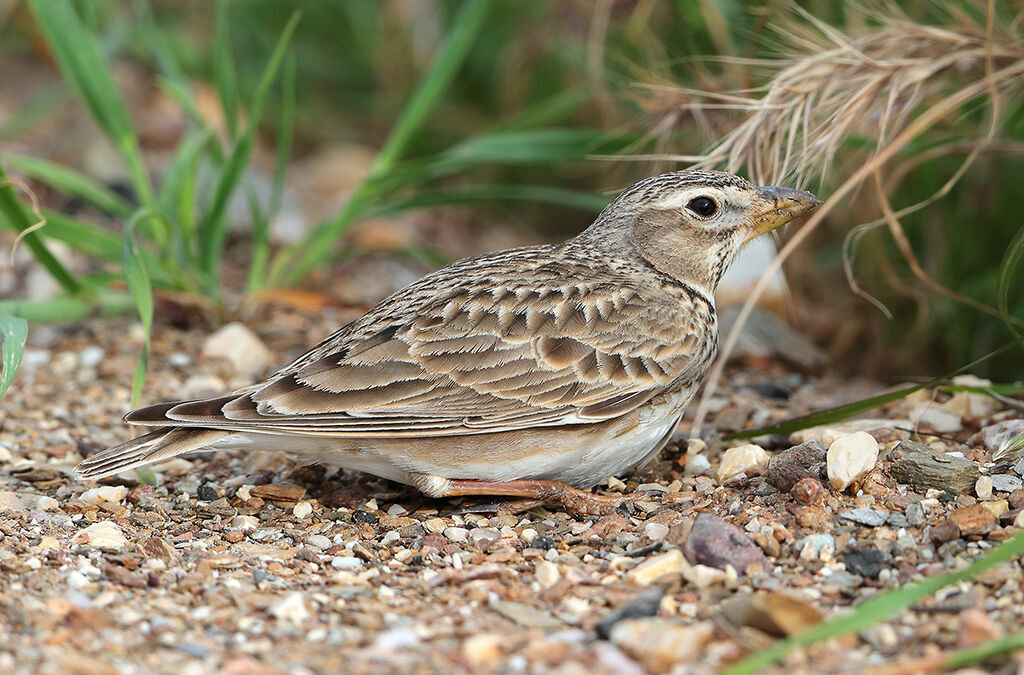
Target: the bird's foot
pixel 537 493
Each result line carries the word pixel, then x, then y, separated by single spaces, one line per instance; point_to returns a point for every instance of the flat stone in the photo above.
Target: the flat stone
pixel 643 605
pixel 1005 482
pixel 671 563
pixel 869 517
pixel 787 468
pixel 916 465
pixel 661 644
pixel 103 534
pixel 715 543
pixel 867 562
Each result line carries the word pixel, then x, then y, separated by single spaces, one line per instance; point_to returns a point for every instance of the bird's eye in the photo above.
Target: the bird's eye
pixel 705 207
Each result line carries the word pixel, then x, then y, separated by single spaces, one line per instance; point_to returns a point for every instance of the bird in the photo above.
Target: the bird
pixel 534 372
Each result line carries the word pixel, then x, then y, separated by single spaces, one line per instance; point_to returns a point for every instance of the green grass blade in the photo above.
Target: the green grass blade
pixel 878 608
pixel 70 182
pixel 63 308
pixel 224 70
pixel 32 111
pixel 213 227
pixel 92 240
pixel 848 410
pixel 177 192
pixel 15 216
pixel 137 278
pixel 1014 254
pixel 13 333
pixel 296 261
pixel 991 649
pixel 261 234
pixel 78 52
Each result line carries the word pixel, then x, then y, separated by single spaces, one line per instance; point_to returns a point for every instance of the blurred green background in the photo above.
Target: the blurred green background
pixel 538 120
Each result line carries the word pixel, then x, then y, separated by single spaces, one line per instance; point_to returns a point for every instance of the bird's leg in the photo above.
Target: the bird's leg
pixel 536 492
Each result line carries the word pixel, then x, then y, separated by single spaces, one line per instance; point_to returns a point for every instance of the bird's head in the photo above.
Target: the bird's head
pixel 691 224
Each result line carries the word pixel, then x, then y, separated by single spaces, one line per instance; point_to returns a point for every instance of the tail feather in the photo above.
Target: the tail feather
pixel 152 447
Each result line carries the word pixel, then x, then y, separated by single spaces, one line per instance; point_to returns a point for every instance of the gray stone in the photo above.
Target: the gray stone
pixel 869 517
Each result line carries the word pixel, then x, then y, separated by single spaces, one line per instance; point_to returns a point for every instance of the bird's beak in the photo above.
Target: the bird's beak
pixel 784 205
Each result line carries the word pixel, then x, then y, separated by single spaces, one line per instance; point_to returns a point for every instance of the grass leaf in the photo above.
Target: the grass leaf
pixel 137 278
pixel 1014 254
pixel 297 260
pixel 14 216
pixel 63 308
pixel 213 228
pixel 878 608
pixel 541 194
pixel 70 182
pixel 78 52
pixel 224 70
pixel 13 333
pixel 848 410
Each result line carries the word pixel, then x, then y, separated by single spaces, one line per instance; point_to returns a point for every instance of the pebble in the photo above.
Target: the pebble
pixel 789 467
pixel 302 510
pixel 103 534
pixel 45 503
pixel 869 517
pixel 290 609
pixel 661 644
pixel 239 346
pixel 456 534
pixel 108 494
pixel 484 534
pixel 715 543
pixel 5 454
pixel 935 418
pixel 645 604
pixel 244 522
pixel 482 648
pixel 696 465
pixel 983 487
pixel 91 356
pixel 671 563
pixel 655 531
pixel 319 541
pixel 830 433
pixel 435 525
pixel 745 460
pixel 867 562
pixel 390 538
pixel 850 457
pixel 547 573
pixel 703 576
pixel 915 514
pixel 202 385
pixel 974 520
pixel 348 563
pixel 817 547
pixel 1005 482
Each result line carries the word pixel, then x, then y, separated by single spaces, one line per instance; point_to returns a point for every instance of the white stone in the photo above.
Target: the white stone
pixel 91 356
pixel 829 433
pixel 1005 482
pixel 850 457
pixel 547 573
pixel 748 460
pixel 456 534
pixel 201 385
pixel 703 576
pixel 390 538
pixel 932 415
pixel 290 609
pixel 983 488
pixel 660 644
pixel 655 531
pixel 302 510
pixel 5 454
pixel 108 493
pixel 434 525
pixel 482 648
pixel 348 563
pixel 103 534
pixel 244 523
pixel 45 503
pixel 656 567
pixel 528 535
pixel 696 465
pixel 241 347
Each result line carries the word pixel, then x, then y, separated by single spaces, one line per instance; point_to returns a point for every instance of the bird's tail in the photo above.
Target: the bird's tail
pixel 152 447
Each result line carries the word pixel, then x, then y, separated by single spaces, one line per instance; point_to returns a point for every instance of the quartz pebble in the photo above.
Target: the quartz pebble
pixel 291 608
pixel 319 541
pixel 850 457
pixel 697 465
pixel 302 510
pixel 103 534
pixel 656 567
pixel 745 460
pixel 108 493
pixel 983 488
pixel 456 534
pixel 661 644
pixel 547 573
pixel 244 523
pixel 239 346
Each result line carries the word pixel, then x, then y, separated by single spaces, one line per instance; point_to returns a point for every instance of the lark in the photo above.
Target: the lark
pixel 535 372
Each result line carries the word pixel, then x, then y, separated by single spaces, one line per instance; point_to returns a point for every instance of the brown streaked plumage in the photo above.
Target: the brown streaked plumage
pixel 533 372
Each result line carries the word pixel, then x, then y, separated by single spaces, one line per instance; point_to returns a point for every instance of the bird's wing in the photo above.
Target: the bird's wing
pixel 474 358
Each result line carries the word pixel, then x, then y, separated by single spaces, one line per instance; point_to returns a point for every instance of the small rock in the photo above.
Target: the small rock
pixel 1005 482
pixel 45 503
pixel 435 525
pixel 302 510
pixel 244 523
pixel 983 488
pixel 456 534
pixel 808 491
pixel 935 418
pixel 974 520
pixel 278 492
pixel 696 465
pixel 360 516
pixel 201 385
pixel 662 565
pixel 975 627
pixel 830 433
pixel 999 439
pixel 103 534
pixel 547 573
pixel 108 494
pixel 206 492
pixel 484 534
pixel 655 531
pixel 715 543
pixel 745 460
pixel 319 541
pixel 91 356
pixel 348 563
pixel 525 615
pixel 290 609
pixel 997 506
pixel 867 562
pixel 915 514
pixel 482 648
pixel 661 644
pixel 777 614
pixel 241 347
pixel 922 468
pixel 850 457
pixel 703 576
pixel 944 530
pixel 787 468
pixel 5 454
pixel 643 605
pixel 817 547
pixel 869 517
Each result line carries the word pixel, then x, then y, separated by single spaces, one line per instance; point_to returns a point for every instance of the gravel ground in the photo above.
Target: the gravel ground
pixel 251 564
